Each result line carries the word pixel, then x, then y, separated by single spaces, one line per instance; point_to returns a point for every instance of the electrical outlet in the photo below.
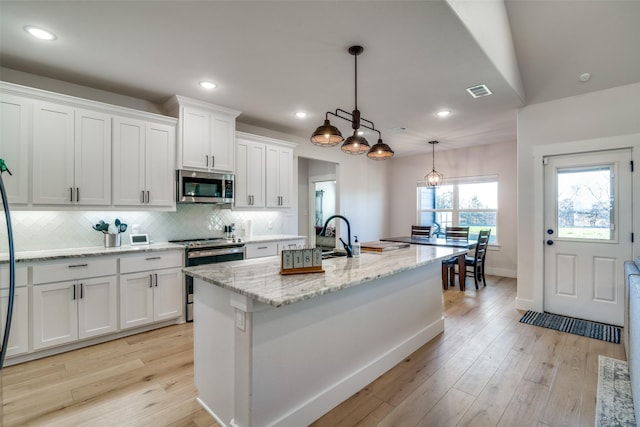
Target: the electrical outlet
pixel 240 319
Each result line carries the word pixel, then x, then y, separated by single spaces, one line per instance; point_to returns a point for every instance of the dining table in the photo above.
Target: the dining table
pixel 438 241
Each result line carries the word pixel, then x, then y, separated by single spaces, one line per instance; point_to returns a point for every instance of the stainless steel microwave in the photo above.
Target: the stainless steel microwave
pixel 204 187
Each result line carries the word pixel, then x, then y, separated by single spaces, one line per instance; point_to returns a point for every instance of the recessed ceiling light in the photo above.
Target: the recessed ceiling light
pixel 443 113
pixel 301 114
pixel 40 33
pixel 208 85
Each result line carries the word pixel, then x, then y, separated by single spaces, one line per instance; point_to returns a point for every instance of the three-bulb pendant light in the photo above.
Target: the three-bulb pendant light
pixel 328 135
pixel 433 178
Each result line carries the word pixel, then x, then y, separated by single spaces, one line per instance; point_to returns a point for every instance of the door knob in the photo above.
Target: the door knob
pixel 549 242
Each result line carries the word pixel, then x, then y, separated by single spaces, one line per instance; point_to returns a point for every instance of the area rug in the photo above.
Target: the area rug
pixel 614 404
pixel 599 331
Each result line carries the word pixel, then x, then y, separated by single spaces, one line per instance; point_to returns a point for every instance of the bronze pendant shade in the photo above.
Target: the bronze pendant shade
pixel 328 135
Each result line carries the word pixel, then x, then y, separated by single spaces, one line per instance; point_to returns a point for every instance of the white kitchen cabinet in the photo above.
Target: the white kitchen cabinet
pixel 279 176
pixel 19 335
pixel 271 248
pixel 206 135
pixel 151 288
pixel 14 146
pixel 73 299
pixel 250 174
pixel 67 311
pixel 143 165
pixel 264 172
pixel 71 153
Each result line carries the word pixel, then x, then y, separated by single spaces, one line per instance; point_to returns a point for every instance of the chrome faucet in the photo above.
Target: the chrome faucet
pixel 347 246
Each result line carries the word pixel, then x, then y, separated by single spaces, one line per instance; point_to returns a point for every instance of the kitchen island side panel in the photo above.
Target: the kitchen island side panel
pixel 294 363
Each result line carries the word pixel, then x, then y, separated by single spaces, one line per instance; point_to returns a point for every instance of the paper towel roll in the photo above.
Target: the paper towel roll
pixel 248 228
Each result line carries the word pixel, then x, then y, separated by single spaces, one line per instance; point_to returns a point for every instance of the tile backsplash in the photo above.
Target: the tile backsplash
pixel 35 230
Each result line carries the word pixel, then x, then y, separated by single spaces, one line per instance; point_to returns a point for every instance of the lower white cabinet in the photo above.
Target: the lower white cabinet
pixel 150 296
pixel 19 336
pixel 262 249
pixel 67 311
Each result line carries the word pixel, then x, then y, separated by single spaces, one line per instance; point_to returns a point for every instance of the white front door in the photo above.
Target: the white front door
pixel 587 237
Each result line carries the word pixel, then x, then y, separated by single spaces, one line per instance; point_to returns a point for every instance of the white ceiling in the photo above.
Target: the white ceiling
pixel 273 58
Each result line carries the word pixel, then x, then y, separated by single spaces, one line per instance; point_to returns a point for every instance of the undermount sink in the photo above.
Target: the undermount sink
pixel 333 254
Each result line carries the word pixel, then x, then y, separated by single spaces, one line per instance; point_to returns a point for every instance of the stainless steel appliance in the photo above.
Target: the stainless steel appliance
pixel 204 187
pixel 206 251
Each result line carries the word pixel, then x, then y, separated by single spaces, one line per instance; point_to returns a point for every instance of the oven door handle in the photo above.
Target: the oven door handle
pixel 214 252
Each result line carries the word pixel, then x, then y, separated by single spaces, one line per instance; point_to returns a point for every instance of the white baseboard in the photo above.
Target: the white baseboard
pixel 502 272
pixel 526 304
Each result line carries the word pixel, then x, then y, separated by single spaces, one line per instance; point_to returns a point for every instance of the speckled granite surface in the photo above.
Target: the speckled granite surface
pixel 271 238
pixel 45 255
pixel 260 278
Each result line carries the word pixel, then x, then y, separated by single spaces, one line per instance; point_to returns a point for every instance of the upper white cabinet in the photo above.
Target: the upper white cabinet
pixel 206 135
pixel 250 170
pixel 279 174
pixel 14 148
pixel 71 156
pixel 264 172
pixel 143 163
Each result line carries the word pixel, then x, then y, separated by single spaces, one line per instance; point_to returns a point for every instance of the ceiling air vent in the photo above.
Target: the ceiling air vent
pixel 478 91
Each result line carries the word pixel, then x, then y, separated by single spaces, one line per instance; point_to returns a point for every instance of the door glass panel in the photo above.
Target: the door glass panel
pixel 585 203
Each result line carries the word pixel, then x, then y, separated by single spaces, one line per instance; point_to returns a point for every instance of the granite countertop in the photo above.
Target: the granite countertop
pixel 271 238
pixel 52 254
pixel 260 278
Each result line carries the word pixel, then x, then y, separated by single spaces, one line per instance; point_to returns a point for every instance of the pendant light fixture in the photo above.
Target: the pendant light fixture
pixel 328 135
pixel 433 178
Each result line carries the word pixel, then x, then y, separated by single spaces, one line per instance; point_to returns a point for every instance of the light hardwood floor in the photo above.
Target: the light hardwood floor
pixel 486 369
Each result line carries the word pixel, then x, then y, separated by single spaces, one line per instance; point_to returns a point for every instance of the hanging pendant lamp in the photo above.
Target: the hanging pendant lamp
pixel 433 178
pixel 328 135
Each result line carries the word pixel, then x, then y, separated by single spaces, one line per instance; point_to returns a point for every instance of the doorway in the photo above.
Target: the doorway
pixel 318 196
pixel 588 225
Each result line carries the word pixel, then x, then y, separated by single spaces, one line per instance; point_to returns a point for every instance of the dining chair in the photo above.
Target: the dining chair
pixel 452 233
pixel 420 231
pixel 474 264
pixel 456 233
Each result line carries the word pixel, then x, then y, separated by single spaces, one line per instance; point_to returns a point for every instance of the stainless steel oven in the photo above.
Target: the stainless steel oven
pixel 206 251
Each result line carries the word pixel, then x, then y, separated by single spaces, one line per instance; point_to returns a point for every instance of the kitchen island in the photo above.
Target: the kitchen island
pixel 284 350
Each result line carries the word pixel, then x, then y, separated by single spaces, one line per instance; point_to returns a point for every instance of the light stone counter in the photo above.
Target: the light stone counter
pixel 52 254
pixel 260 279
pixel 271 238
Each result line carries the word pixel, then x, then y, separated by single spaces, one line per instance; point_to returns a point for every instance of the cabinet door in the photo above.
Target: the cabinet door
pixel 136 299
pixel 168 294
pixel 160 165
pixel 53 154
pixel 14 143
pixel 196 139
pixel 279 173
pixel 223 143
pixel 19 335
pixel 97 306
pixel 250 170
pixel 92 158
pixel 55 314
pixel 128 162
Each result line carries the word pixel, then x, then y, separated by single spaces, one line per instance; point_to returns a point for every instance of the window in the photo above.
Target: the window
pixel 464 202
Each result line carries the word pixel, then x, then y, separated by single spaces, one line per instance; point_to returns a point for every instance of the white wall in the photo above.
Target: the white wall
pixel 496 159
pixel 594 121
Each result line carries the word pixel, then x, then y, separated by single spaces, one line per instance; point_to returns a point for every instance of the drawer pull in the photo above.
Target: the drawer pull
pixel 263 247
pixel 78 265
pixel 152 258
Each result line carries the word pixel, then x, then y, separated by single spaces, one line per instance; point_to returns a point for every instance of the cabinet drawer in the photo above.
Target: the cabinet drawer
pixel 151 261
pixel 73 269
pixel 256 250
pixel 21 275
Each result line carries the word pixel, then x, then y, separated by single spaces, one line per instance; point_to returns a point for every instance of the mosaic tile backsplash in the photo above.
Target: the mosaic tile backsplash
pixel 36 230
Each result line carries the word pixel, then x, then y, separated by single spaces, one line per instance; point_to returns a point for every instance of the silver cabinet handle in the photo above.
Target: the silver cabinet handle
pixel 148 197
pixel 152 258
pixel 206 156
pixel 77 265
pixel 142 196
pixel 77 194
pixel 151 280
pixel 74 292
pixel 81 290
pixel 156 279
pixel 213 161
pixel 71 194
pixel 263 247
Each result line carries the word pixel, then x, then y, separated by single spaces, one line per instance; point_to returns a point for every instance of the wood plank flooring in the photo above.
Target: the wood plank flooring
pixel 486 369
